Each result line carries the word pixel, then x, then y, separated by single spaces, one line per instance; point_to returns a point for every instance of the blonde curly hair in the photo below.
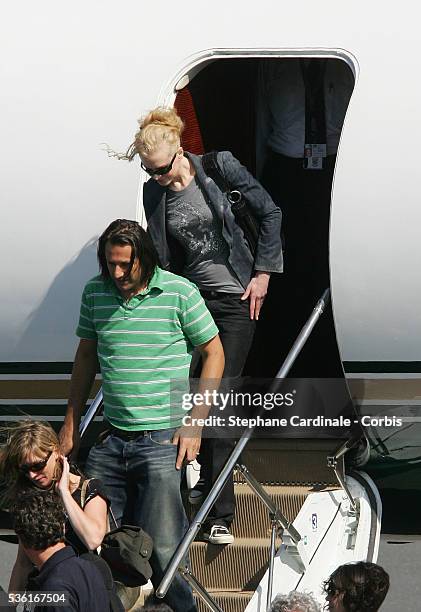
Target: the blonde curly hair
pixel 161 125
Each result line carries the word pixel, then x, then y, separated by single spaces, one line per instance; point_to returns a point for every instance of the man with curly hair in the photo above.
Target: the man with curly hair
pixel 294 602
pixel 356 587
pixel 38 519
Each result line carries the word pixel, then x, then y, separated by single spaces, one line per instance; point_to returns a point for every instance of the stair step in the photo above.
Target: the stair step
pixel 236 567
pixel 228 601
pixel 270 461
pixel 251 515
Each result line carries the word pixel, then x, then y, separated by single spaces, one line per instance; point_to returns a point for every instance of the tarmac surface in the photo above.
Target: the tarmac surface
pixel 399 555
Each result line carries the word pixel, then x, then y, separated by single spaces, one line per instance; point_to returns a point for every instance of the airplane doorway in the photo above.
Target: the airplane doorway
pixel 223 110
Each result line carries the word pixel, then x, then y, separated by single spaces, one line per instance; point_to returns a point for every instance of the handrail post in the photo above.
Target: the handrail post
pixel 276 515
pixel 332 462
pixel 271 562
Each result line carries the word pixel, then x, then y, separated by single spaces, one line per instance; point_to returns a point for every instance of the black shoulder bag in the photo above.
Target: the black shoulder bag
pixel 126 549
pixel 239 206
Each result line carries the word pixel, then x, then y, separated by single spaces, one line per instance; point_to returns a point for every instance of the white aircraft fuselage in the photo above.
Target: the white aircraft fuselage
pixel 75 76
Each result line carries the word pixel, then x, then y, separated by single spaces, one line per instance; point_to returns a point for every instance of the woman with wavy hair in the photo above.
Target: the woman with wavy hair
pixel 31 458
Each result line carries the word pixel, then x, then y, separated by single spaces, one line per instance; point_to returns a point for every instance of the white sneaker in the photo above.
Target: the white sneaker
pixel 219 534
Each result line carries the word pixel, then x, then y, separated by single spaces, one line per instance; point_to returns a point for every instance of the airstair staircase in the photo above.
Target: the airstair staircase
pixel 233 572
pixel 291 472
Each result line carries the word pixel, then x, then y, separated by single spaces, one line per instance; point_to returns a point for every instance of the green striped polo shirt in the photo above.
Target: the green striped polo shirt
pixel 144 343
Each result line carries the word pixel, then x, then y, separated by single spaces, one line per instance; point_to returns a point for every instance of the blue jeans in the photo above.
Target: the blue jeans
pixel 143 487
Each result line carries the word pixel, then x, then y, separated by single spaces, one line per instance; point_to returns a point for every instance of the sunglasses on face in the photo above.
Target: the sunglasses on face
pixel 331 590
pixel 25 468
pixel 159 171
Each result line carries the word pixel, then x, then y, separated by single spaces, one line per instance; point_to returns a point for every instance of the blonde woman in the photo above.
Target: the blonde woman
pixel 195 234
pixel 31 457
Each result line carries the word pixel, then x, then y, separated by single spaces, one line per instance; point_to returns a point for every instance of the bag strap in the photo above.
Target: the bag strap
pixel 111 513
pixel 212 169
pixel 239 207
pixel 83 492
pixel 83 499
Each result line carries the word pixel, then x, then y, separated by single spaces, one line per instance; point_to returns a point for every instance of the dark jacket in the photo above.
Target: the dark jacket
pixel 269 249
pixel 79 579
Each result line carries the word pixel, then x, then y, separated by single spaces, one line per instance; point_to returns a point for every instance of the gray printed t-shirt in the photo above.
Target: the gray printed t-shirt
pixel 194 224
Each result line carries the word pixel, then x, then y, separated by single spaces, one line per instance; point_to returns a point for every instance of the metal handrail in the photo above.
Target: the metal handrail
pixel 200 590
pixel 180 553
pixel 264 497
pixel 91 412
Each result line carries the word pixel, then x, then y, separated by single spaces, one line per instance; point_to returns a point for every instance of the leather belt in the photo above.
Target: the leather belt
pixel 126 434
pixel 218 295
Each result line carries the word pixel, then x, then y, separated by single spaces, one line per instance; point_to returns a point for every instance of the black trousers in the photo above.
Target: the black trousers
pixel 236 331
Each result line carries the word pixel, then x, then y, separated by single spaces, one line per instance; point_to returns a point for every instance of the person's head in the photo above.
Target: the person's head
pixel 294 602
pixel 31 454
pixel 356 587
pixel 38 519
pixel 126 255
pixel 158 144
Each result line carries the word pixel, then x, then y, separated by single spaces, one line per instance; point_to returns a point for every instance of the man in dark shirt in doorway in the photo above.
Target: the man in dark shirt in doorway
pixel 39 518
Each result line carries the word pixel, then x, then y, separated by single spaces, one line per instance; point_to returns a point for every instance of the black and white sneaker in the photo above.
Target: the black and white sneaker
pixel 219 534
